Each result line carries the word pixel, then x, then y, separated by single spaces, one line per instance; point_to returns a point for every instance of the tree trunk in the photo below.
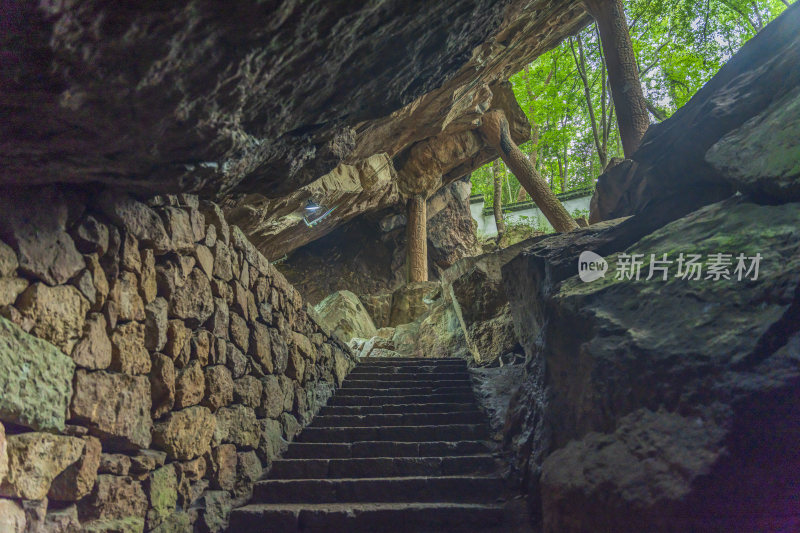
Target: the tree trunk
pixel 494 128
pixel 626 89
pixel 497 202
pixel 417 240
pixel 580 64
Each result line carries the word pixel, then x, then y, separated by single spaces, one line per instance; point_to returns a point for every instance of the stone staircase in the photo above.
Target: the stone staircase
pixel 402 446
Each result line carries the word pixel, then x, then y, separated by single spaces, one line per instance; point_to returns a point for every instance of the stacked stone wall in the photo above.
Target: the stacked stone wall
pixel 152 363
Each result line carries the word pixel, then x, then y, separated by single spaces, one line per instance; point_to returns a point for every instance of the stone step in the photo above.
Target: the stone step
pixel 313 450
pixel 382 467
pixel 459 489
pixel 411 360
pixel 448 366
pixel 408 419
pixel 406 376
pixel 403 391
pixel 451 432
pixel 340 399
pixel 414 408
pixel 411 367
pixel 367 517
pixel 351 383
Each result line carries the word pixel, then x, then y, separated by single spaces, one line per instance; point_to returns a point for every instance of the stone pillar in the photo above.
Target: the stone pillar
pixel 417 240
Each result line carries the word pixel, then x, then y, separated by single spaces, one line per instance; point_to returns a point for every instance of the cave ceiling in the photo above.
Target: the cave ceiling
pixel 251 101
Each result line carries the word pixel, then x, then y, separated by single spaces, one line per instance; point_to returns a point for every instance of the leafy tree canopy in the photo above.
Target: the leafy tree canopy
pixel 679 46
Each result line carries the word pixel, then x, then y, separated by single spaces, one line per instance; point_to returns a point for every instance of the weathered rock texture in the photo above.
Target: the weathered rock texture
pixel 163 372
pixel 247 102
pixel 688 386
pixel 248 96
pixel 346 316
pixel 665 403
pixel 35 378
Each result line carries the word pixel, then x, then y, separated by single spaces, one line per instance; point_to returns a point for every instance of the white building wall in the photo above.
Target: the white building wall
pixel 487 227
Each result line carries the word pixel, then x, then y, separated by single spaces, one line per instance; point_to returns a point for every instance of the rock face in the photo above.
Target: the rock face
pixel 293 127
pixel 451 234
pixel 38 398
pixel 412 300
pixel 707 149
pixel 480 302
pixel 39 234
pixel 760 157
pixel 690 384
pixel 276 226
pixel 346 316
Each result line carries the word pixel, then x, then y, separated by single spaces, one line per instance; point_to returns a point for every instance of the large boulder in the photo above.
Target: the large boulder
pixel 345 315
pixel 451 230
pixel 413 300
pixel 737 132
pixel 706 368
pixel 36 380
pixel 761 156
pixel 479 301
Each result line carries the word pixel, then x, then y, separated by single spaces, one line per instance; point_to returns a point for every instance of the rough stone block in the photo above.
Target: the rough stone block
pixel 185 434
pixel 34 461
pixel 247 391
pixel 237 425
pixel 162 385
pixel 38 397
pixel 219 387
pixel 189 385
pixel 94 349
pixel 193 302
pixel 58 313
pixel 36 228
pixel 78 479
pixel 136 218
pixel 12 517
pixel 128 353
pixel 116 407
pixel 118 498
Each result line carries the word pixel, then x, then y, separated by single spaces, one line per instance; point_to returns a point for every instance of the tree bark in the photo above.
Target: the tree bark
pixel 417 240
pixel 494 128
pixel 497 201
pixel 626 89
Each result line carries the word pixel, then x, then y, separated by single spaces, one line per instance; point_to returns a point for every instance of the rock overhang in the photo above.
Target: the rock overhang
pixel 253 98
